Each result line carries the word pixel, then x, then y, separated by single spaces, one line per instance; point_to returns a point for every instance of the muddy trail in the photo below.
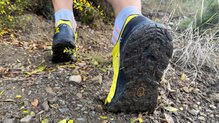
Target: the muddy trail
pixel 33 89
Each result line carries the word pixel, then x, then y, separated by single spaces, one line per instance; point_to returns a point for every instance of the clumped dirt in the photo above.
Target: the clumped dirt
pixel 33 87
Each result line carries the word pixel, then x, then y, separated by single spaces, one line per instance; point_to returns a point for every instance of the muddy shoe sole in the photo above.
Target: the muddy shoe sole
pixel 63 52
pixel 144 56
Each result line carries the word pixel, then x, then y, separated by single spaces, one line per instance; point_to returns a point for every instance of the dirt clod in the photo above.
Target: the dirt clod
pixel 45 106
pixel 9 120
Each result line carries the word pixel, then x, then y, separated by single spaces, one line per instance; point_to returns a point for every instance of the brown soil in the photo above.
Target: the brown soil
pixel 58 97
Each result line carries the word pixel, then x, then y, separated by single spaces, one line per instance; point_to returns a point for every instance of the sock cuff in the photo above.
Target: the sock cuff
pixel 127 11
pixel 65 14
pixel 121 18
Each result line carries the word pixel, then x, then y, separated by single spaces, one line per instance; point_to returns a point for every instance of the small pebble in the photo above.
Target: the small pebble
pixel 53 100
pixel 63 110
pixel 45 106
pixel 201 118
pixel 79 95
pixel 26 119
pixel 82 64
pixel 81 119
pixel 62 102
pixel 9 120
pixel 79 105
pixel 211 115
pixel 194 112
pixel 75 78
pixel 215 97
pixel 212 107
pixel 50 91
pixel 82 109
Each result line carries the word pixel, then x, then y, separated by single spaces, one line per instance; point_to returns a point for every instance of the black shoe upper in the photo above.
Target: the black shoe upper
pixel 63 43
pixel 64 34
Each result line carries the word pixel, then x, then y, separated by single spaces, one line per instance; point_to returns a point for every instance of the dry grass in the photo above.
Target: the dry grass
pixel 195 53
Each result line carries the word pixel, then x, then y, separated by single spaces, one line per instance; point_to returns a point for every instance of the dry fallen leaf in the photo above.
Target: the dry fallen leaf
pixel 63 121
pixel 25 111
pixel 168 118
pixel 98 78
pixel 169 87
pixel 22 107
pixel 35 102
pixel 139 120
pixel 45 105
pixel 171 109
pixel 183 77
pixel 70 121
pixel 39 69
pixel 2 92
pixel 105 121
pixel 18 96
pixel 45 121
pixel 103 117
pixel 9 100
pixel 32 113
pixel 3 71
pixel 50 91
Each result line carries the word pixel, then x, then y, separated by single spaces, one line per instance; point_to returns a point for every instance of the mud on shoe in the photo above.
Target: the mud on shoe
pixel 140 56
pixel 63 42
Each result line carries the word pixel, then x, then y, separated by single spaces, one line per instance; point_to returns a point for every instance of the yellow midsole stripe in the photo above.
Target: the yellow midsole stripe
pixel 116 63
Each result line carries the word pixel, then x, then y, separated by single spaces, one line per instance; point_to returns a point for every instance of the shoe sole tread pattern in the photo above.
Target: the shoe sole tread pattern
pixel 58 53
pixel 143 59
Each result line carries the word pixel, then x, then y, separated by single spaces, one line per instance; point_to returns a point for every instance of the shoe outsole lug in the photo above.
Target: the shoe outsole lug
pixel 58 53
pixel 154 46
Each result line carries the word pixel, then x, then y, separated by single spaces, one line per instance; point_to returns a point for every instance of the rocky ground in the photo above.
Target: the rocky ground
pixel 33 89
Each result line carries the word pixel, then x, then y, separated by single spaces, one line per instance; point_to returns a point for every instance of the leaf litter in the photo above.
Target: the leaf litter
pixel 176 98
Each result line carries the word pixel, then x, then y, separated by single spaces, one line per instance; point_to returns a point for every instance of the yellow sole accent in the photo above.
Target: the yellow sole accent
pixel 116 60
pixel 116 63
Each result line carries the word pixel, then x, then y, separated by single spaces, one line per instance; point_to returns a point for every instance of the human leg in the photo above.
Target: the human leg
pixel 62 4
pixel 118 5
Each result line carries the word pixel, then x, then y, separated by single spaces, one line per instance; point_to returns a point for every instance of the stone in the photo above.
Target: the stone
pixel 194 112
pixel 82 64
pixel 45 106
pixel 201 118
pixel 62 102
pixel 53 100
pixel 79 105
pixel 26 119
pixel 63 110
pixel 75 78
pixel 50 91
pixel 212 107
pixel 9 120
pixel 81 119
pixel 26 103
pixel 215 97
pixel 79 95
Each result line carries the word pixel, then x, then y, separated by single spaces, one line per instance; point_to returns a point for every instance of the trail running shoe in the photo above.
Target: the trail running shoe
pixel 140 56
pixel 63 42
